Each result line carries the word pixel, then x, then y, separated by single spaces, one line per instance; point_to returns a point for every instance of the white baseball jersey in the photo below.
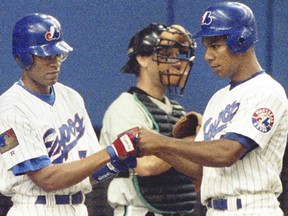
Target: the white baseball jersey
pixel 36 131
pixel 125 113
pixel 255 113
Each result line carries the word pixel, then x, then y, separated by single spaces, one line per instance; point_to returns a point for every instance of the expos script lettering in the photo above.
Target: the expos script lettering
pixel 68 137
pixel 212 128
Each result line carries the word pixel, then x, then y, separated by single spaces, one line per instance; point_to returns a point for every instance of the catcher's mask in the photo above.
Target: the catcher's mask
pixel 158 41
pixel 179 40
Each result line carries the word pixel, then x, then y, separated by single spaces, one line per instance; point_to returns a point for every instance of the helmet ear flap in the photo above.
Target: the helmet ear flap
pixel 240 40
pixel 25 61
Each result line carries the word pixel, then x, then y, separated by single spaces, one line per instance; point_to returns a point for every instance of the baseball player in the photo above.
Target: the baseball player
pixel 244 129
pixel 161 57
pixel 47 143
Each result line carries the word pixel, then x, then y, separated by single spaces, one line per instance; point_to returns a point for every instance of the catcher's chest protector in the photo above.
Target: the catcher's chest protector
pixel 171 191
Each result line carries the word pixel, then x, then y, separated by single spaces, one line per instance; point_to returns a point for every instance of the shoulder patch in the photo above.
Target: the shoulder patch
pixel 8 141
pixel 263 119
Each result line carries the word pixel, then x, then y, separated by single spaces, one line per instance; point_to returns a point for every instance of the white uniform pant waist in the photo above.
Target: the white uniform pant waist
pixel 50 200
pixel 133 211
pixel 247 203
pixel 45 210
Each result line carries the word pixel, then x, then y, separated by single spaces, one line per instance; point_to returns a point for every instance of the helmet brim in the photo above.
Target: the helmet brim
pixel 127 67
pixel 210 33
pixel 60 47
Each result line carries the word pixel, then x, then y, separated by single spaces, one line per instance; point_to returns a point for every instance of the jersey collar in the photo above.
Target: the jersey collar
pixel 234 84
pixel 50 98
pixel 137 90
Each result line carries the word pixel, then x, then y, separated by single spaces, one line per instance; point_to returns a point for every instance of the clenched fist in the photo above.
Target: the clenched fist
pixel 149 141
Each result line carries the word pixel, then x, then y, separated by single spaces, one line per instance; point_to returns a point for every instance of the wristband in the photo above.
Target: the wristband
pixel 112 153
pixel 105 173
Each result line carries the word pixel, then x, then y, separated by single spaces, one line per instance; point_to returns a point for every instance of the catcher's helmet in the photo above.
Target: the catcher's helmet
pixel 233 19
pixel 159 39
pixel 144 42
pixel 37 34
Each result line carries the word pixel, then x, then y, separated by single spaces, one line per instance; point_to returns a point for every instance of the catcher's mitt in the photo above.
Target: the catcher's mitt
pixel 187 125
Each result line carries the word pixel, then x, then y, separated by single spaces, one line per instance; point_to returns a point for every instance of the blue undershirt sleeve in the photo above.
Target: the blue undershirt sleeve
pixel 31 165
pixel 247 142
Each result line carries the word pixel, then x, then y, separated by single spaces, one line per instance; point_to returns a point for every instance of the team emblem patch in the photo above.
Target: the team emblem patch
pixel 263 119
pixel 8 141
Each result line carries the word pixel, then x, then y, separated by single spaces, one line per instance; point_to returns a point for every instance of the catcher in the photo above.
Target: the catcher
pixel 161 58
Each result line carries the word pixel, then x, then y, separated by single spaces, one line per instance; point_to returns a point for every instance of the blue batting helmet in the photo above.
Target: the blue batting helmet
pixel 37 34
pixel 233 19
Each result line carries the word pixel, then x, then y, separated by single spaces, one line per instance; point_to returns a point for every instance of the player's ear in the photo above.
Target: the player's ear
pixel 142 60
pixel 18 60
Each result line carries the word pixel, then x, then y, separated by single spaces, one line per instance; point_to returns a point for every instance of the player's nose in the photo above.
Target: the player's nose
pixel 177 65
pixel 56 60
pixel 208 56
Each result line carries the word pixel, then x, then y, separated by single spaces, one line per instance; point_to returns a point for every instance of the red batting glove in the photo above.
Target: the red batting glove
pixel 125 145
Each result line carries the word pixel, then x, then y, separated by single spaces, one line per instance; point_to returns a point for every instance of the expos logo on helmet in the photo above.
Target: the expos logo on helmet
pixel 52 34
pixel 206 19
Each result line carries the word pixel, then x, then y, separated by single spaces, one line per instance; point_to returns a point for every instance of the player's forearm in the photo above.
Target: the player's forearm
pixel 182 164
pixel 151 165
pixel 60 176
pixel 218 153
pixel 121 154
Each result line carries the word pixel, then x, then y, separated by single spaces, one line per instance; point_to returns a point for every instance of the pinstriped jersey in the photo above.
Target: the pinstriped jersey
pixel 256 109
pixel 35 134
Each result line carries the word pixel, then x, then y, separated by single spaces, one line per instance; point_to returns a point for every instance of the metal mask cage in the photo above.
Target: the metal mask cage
pixel 175 89
pixel 186 53
pixel 185 57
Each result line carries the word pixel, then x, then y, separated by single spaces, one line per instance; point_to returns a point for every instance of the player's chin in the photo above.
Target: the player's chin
pixel 173 79
pixel 221 75
pixel 52 78
pixel 50 82
pixel 218 73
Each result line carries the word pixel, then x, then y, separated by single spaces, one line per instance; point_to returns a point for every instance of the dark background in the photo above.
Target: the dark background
pixel 99 32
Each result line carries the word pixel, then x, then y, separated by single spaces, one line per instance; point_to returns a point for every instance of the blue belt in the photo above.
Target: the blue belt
pixel 221 204
pixel 77 198
pixel 152 214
